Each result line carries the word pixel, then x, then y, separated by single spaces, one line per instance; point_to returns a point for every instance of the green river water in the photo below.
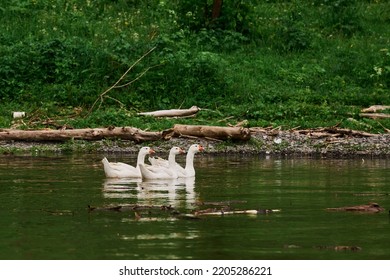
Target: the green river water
pixel 44 210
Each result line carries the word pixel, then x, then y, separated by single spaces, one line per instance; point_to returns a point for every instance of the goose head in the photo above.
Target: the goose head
pixel 196 148
pixel 147 150
pixel 176 151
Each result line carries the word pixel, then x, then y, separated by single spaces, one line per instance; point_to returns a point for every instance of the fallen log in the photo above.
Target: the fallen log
pixel 212 132
pixel 375 115
pixel 375 108
pixel 172 112
pixel 126 133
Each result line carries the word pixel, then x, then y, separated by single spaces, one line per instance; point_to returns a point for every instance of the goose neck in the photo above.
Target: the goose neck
pixel 140 158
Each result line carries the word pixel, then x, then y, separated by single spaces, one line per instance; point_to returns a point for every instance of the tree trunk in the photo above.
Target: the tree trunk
pixel 213 132
pixel 217 7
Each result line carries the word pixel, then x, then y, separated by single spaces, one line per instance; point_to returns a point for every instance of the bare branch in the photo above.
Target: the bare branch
pixel 115 85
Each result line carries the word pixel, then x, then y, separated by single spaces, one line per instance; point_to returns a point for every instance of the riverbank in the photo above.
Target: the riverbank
pixel 263 142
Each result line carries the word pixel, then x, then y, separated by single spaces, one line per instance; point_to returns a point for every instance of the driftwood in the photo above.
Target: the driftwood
pixel 222 212
pixel 172 113
pixel 126 133
pixel 371 207
pixel 212 132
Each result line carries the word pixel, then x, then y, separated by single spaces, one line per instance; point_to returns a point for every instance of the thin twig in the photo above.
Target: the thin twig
pixel 101 96
pixel 138 77
pixel 385 128
pixel 116 100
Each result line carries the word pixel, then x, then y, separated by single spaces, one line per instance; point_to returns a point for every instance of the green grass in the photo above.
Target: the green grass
pixel 274 63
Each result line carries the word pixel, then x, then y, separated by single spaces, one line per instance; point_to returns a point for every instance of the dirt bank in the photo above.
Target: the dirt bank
pixel 263 141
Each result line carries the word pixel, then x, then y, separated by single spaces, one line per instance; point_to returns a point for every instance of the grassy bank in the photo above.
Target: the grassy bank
pixel 273 63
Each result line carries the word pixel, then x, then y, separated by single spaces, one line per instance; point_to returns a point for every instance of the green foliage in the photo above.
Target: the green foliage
pixel 190 79
pixel 57 67
pixel 293 34
pixel 341 16
pixel 236 15
pixel 290 63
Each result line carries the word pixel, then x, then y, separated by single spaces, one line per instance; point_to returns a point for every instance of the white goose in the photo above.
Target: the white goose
pixel 163 172
pixel 189 170
pixel 123 170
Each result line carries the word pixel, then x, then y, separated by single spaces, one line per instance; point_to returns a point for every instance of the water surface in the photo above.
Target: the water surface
pixel 44 210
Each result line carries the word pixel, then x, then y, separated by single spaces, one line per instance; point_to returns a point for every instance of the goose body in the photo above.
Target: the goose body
pixel 123 170
pixel 161 171
pixel 188 170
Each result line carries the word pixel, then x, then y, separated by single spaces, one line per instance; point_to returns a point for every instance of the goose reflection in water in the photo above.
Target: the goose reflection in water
pixel 178 192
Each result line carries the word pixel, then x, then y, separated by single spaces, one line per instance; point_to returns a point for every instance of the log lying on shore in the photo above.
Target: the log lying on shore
pixel 172 112
pixel 212 132
pixel 126 133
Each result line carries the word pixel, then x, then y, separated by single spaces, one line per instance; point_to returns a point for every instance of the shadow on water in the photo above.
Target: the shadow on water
pixel 44 214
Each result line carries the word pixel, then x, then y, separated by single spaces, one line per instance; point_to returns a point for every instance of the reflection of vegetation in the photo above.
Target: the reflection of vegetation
pixel 290 63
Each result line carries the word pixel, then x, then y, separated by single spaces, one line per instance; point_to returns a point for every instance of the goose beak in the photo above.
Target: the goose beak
pixel 201 148
pixel 151 151
pixel 182 151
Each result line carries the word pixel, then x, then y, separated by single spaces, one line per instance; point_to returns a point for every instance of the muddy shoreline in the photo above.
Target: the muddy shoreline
pixel 277 143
